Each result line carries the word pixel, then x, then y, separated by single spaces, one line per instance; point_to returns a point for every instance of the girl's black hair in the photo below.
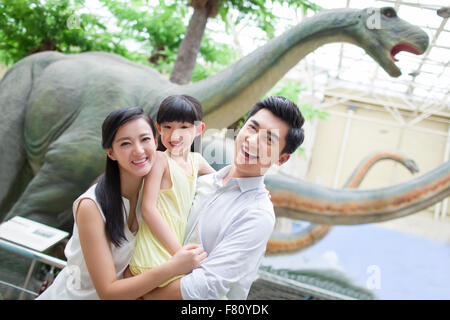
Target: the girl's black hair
pixel 107 191
pixel 180 108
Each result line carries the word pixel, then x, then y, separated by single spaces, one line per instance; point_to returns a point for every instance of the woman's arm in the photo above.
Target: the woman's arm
pixel 150 213
pixel 99 261
pixel 171 291
pixel 204 167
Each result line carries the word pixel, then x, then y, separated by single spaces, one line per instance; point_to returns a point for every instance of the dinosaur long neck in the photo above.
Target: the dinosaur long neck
pixel 227 95
pixel 308 201
pixel 366 164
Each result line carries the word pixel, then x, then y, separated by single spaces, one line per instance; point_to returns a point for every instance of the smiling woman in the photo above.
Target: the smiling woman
pixel 107 217
pixel 128 136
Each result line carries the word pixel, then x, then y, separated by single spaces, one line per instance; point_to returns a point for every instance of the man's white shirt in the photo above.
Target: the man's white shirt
pixel 233 224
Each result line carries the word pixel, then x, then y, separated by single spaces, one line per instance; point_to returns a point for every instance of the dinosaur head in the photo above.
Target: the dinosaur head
pixel 383 35
pixel 411 165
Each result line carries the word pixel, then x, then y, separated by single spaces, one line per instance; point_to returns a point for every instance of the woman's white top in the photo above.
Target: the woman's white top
pixel 74 281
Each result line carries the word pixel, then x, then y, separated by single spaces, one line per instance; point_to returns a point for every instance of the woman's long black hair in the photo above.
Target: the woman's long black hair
pixel 107 191
pixel 180 108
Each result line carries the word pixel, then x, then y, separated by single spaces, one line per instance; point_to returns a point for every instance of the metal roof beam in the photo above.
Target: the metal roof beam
pixel 417 5
pixel 427 52
pixel 341 51
pixel 437 107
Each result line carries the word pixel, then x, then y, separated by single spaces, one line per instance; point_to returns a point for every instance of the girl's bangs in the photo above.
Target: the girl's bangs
pixel 179 111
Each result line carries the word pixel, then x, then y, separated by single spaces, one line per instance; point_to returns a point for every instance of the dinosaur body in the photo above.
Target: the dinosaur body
pixel 53 105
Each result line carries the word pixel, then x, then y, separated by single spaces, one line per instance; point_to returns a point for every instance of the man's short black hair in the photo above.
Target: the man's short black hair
pixel 287 111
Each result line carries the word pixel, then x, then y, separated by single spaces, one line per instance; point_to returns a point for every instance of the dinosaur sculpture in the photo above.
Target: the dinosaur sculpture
pixel 52 107
pixel 280 243
pixel 219 146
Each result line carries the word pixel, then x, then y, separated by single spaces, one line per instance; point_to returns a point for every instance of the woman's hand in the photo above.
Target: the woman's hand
pixel 188 258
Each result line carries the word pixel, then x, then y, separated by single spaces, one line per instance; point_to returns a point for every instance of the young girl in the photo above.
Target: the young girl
pixel 107 217
pixel 170 187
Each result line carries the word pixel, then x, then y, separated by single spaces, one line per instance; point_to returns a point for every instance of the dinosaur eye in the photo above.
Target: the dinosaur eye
pixel 389 12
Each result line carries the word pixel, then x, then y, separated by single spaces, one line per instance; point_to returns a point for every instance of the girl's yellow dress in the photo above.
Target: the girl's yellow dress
pixel 174 205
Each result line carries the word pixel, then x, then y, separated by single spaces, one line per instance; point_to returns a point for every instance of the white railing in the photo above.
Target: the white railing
pixel 35 256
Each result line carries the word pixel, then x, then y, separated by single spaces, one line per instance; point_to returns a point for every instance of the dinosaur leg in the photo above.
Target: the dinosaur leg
pixel 67 172
pixel 14 90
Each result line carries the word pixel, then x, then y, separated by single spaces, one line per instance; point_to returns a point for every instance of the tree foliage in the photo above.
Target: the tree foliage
pixel 30 26
pixel 292 89
pixel 256 10
pixel 261 13
pixel 159 29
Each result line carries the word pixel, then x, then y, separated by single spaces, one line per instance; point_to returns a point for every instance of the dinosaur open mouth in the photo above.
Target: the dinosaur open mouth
pixel 402 47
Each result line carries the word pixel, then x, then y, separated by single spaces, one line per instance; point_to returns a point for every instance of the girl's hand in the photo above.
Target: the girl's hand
pixel 187 258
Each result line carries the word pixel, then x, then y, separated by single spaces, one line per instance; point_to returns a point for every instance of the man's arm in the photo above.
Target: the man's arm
pixel 235 257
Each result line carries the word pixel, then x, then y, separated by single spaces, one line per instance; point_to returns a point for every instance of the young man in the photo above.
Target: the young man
pixel 232 215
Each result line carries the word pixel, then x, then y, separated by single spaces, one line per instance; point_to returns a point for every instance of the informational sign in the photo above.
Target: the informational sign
pixel 31 234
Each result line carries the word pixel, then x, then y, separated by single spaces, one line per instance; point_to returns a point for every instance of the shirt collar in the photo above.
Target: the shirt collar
pixel 245 184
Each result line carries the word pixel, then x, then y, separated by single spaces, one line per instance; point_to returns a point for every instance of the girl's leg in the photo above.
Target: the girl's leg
pixel 127 273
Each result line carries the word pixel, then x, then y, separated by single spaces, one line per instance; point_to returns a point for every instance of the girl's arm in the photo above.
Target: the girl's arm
pixel 157 224
pixel 204 167
pixel 99 261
